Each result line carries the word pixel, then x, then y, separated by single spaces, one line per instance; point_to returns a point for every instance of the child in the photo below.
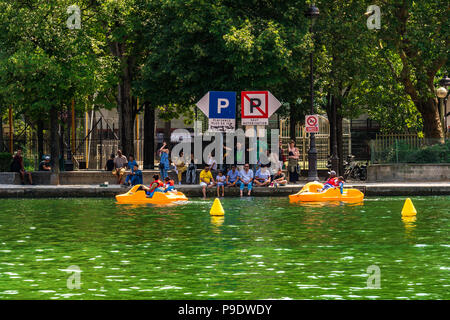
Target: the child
pixel 169 184
pixel 334 183
pixel 221 183
pixel 341 184
pixel 136 175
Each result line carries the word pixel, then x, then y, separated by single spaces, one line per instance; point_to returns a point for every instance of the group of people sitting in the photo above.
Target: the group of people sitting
pixel 119 164
pixel 17 165
pixel 244 178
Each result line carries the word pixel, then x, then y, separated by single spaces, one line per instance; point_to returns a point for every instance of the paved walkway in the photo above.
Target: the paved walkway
pixel 369 189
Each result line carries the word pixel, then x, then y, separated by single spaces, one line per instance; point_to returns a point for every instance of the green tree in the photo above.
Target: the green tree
pixel 417 34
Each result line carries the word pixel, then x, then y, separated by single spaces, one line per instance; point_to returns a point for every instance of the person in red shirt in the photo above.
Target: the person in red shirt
pixel 332 181
pixel 169 184
pixel 156 186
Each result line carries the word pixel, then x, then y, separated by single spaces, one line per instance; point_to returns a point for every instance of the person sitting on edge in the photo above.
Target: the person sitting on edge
pixel 136 175
pixel 130 165
pixel 44 165
pixel 279 179
pixel 220 183
pixel 233 177
pixel 17 166
pixel 262 176
pixel 156 186
pixel 206 180
pixel 110 163
pixel 246 178
pixel 120 162
pixel 169 184
pixel 332 181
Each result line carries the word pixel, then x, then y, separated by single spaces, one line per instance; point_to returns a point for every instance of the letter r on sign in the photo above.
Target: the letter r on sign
pixel 222 104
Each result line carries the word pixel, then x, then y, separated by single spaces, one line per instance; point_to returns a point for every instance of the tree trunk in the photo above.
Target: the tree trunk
pixel 333 102
pixel 340 142
pixel 40 138
pixel 167 129
pixel 432 126
pixel 149 136
pixel 126 109
pixel 127 125
pixel 2 143
pixel 54 140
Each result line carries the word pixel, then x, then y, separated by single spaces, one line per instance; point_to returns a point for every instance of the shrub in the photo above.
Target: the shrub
pixel 5 161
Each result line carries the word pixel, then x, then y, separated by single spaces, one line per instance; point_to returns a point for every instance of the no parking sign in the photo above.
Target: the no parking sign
pixel 312 123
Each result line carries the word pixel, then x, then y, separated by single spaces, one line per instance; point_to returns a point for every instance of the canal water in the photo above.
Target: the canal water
pixel 264 248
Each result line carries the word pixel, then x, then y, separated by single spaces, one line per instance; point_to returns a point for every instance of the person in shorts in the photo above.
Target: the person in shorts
pixel 206 180
pixel 221 180
pixel 120 164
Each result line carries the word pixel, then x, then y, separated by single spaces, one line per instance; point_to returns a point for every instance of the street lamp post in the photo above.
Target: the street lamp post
pixel 334 156
pixel 312 13
pixel 442 94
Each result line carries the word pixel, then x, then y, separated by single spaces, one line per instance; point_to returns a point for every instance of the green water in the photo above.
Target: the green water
pixel 265 248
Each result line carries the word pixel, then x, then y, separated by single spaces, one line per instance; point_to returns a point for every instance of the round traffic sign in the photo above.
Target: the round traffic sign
pixel 311 121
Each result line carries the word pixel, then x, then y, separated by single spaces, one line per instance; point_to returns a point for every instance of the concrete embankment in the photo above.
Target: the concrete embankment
pixel 76 191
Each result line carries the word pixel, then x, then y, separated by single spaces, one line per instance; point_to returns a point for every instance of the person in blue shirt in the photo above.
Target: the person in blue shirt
pixel 262 177
pixel 131 164
pixel 136 175
pixel 233 177
pixel 341 184
pixel 246 178
pixel 164 164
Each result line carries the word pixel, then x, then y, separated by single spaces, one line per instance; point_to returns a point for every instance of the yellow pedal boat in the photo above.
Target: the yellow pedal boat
pixel 310 192
pixel 135 196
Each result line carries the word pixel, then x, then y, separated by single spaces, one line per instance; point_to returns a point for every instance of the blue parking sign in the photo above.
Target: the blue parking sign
pixel 222 105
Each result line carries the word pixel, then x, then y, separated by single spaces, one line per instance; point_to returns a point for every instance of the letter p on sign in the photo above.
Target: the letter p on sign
pixel 222 104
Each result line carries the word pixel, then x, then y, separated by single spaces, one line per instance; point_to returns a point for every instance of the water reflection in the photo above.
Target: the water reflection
pixel 217 221
pixel 328 204
pixel 410 224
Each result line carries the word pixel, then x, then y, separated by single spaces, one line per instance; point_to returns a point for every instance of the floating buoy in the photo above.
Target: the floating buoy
pixel 408 208
pixel 217 209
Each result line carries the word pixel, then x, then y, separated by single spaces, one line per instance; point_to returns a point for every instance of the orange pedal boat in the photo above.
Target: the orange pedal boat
pixel 311 193
pixel 136 196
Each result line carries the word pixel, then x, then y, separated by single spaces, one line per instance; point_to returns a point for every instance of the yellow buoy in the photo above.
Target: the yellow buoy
pixel 408 208
pixel 217 209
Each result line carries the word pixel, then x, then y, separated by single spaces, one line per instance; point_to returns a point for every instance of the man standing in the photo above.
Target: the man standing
pixel 246 177
pixel 120 163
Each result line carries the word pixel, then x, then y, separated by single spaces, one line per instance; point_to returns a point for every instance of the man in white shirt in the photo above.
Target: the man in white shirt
pixel 246 177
